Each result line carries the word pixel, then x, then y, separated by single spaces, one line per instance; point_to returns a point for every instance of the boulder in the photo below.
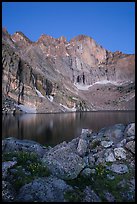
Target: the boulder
pixel 130 138
pixel 73 145
pixel 64 163
pixel 109 156
pixel 95 143
pixel 93 171
pixel 131 146
pixel 106 144
pixel 99 157
pixel 130 130
pixel 115 132
pixel 13 144
pixel 8 192
pixel 118 168
pixel 50 189
pixel 5 166
pixel 120 153
pixel 86 134
pixel 82 147
pixel 91 160
pixel 121 143
pixel 109 197
pixel 90 195
pixel 85 131
pixel 86 172
pixel 132 184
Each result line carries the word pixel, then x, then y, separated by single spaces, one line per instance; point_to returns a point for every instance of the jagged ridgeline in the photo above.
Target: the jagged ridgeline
pixel 53 75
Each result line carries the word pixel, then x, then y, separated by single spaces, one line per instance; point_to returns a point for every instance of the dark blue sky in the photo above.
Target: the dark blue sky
pixel 110 24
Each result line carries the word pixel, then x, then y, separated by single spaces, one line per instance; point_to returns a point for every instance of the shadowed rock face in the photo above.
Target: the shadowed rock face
pixel 53 75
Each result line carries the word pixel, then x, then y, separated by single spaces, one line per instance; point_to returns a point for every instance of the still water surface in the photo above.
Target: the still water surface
pixel 52 129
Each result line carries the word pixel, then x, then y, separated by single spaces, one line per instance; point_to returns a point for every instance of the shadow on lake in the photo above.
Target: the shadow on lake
pixel 52 129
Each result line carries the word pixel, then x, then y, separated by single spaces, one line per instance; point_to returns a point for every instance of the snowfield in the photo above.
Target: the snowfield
pixel 26 109
pixel 67 108
pixel 86 87
pixel 39 93
pixel 50 98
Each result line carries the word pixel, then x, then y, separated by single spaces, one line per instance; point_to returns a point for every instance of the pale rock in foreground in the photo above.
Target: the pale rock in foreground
pixel 82 147
pixel 130 130
pixel 120 153
pixel 131 146
pixel 90 195
pixel 119 168
pixel 63 163
pixel 49 189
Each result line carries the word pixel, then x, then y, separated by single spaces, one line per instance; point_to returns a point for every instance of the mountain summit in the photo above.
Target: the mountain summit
pixel 53 75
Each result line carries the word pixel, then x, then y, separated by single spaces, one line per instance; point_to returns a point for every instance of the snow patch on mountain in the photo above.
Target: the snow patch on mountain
pixel 50 98
pixel 25 108
pixel 84 87
pixel 67 108
pixel 39 93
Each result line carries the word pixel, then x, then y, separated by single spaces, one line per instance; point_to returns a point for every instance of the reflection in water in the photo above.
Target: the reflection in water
pixel 52 129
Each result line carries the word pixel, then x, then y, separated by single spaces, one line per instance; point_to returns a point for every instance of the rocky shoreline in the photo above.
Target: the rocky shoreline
pixel 94 167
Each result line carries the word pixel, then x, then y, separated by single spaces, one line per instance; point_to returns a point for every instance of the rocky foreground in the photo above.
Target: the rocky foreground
pixel 94 167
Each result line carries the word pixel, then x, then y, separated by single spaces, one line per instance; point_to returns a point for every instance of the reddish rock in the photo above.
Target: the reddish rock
pixel 71 69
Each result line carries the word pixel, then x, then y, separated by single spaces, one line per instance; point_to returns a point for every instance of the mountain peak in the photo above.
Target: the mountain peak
pixel 19 36
pixel 54 75
pixel 80 37
pixel 44 38
pixel 62 39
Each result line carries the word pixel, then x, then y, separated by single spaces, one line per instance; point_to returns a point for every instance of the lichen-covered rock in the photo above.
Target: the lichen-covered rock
pixel 86 172
pixel 120 153
pixel 106 143
pixel 50 189
pixel 73 145
pixel 131 146
pixel 109 197
pixel 64 163
pixel 119 168
pixel 85 131
pixel 91 160
pixel 5 166
pixel 90 195
pixel 82 147
pixel 8 192
pixel 130 130
pixel 132 184
pixel 94 143
pixel 121 143
pixel 99 157
pixel 13 144
pixel 115 132
pixel 86 134
pixel 109 156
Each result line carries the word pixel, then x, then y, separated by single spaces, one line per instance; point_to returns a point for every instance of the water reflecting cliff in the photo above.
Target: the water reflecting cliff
pixel 52 129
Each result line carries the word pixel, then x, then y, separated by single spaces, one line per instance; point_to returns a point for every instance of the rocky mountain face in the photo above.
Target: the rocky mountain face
pixel 53 75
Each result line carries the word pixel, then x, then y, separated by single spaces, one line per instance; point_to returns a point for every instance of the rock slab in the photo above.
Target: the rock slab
pixel 119 168
pixel 64 163
pixel 49 189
